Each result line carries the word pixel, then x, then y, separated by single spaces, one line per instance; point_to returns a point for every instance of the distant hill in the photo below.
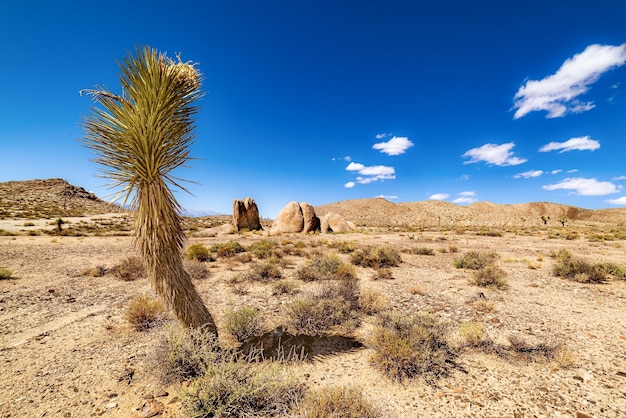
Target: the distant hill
pixel 381 212
pixel 49 198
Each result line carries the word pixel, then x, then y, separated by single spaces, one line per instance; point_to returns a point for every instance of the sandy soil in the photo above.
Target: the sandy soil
pixel 67 351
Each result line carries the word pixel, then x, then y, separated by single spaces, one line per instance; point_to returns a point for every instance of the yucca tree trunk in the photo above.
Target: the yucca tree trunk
pixel 160 237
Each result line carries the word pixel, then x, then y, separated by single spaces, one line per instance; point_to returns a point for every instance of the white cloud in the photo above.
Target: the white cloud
pixel 619 201
pixel 581 143
pixel 557 93
pixel 395 146
pixel 619 178
pixel 466 197
pixel 349 185
pixel 381 136
pixel 346 158
pixel 555 171
pixel 382 196
pixel 585 187
pixel 574 170
pixel 371 173
pixel 439 196
pixel 493 154
pixel 528 174
pixel 464 177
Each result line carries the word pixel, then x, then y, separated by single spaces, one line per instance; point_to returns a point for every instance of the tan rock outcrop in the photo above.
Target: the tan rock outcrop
pixel 333 222
pixel 246 215
pixel 311 221
pixel 289 219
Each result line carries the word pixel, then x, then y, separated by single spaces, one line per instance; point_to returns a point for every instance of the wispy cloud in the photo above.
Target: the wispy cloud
pixel 381 136
pixel 528 174
pixel 557 93
pixel 382 196
pixel 371 173
pixel 618 201
pixel 439 196
pixel 349 185
pixel 494 154
pixel 466 197
pixel 395 146
pixel 464 177
pixel 585 187
pixel 581 143
pixel 346 158
pixel 573 170
pixel 555 171
pixel 619 178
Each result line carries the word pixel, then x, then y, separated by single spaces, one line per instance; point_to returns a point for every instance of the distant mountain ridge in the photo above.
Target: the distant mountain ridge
pixel 381 212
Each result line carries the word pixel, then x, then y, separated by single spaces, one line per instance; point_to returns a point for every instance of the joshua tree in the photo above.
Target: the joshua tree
pixel 140 137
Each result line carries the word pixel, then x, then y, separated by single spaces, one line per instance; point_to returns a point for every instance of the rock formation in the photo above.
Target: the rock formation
pixel 289 219
pixel 311 221
pixel 333 222
pixel 301 217
pixel 246 215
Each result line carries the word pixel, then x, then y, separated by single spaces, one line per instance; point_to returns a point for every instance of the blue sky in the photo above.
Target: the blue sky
pixel 321 101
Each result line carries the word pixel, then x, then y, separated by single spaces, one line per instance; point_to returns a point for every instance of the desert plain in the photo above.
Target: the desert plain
pixel 550 347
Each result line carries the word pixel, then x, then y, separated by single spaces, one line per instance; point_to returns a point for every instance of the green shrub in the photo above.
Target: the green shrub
pixel 376 257
pixel 5 274
pixel 579 270
pixel 471 334
pixel 475 260
pixel 264 249
pixel 285 287
pixel 144 312
pixel 325 267
pixel 383 273
pixel 266 271
pixel 343 247
pixel 420 251
pixel 228 249
pixel 410 346
pixel 241 390
pixel 198 252
pixel 490 276
pixel 131 268
pixel 196 269
pixel 344 402
pixel 243 323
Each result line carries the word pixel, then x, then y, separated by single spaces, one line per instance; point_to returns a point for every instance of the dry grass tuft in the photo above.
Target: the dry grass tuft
pixel 144 312
pixel 475 260
pixel 376 257
pixel 490 276
pixel 243 323
pixel 198 252
pixel 347 402
pixel 471 334
pixel 373 302
pixel 131 268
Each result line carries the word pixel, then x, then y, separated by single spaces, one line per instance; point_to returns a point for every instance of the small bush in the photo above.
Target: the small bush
pixel 266 271
pixel 343 247
pixel 471 334
pixel 5 274
pixel 198 252
pixel 243 323
pixel 490 276
pixel 417 290
pixel 420 251
pixel 410 346
pixel 285 287
pixel 98 271
pixel 376 257
pixel 325 267
pixel 144 312
pixel 264 249
pixel 579 270
pixel 489 233
pixel 228 249
pixel 474 260
pixel 373 302
pixel 130 269
pixel 347 402
pixel 196 269
pixel 383 273
pixel 239 389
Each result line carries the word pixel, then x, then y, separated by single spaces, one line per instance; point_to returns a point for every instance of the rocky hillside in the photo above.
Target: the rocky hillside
pixel 381 212
pixel 49 198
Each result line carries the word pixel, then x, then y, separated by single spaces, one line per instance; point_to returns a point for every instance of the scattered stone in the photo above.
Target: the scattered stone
pixel 246 215
pixel 151 408
pixel 582 415
pixel 621 374
pixel 111 405
pixel 162 394
pixel 579 378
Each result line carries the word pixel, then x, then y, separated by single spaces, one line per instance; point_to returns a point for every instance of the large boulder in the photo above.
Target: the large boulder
pixel 333 222
pixel 289 219
pixel 246 215
pixel 311 221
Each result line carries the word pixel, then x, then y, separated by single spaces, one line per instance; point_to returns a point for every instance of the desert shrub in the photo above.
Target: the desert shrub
pixel 417 290
pixel 453 248
pixel 28 224
pixel 5 233
pixel 343 247
pixel 489 233
pixel 383 273
pixel 373 302
pixel 196 269
pixel 490 276
pixel 185 354
pixel 198 252
pixel 285 287
pixel 333 304
pixel 475 260
pixel 579 270
pixel 266 271
pixel 376 257
pixel 144 312
pixel 227 249
pixel 419 251
pixel 131 268
pixel 471 334
pixel 547 350
pixel 344 402
pixel 97 271
pixel 484 306
pixel 239 389
pixel 264 249
pixel 243 323
pixel 325 267
pixel 5 274
pixel 410 346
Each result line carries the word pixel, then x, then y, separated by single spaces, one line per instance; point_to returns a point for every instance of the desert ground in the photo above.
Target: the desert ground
pixel 68 350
